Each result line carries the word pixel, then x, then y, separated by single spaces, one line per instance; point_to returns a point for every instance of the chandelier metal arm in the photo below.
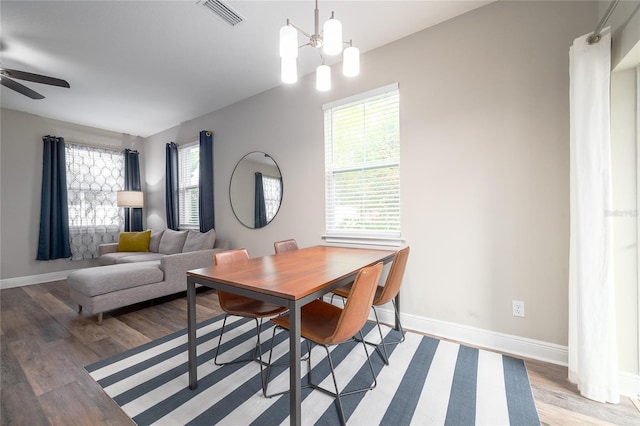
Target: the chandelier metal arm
pixel 300 30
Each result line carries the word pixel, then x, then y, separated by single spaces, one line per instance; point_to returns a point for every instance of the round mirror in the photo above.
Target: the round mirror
pixel 256 189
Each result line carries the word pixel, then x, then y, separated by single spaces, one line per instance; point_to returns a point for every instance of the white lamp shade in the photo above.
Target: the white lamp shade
pixel 351 62
pixel 288 70
pixel 332 37
pixel 288 42
pixel 133 199
pixel 323 78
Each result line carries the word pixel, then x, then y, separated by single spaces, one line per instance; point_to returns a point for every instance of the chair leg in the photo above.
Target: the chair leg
pixel 266 382
pixel 269 365
pixel 383 352
pixel 100 318
pixel 255 355
pixel 335 385
pixel 224 322
pixel 337 394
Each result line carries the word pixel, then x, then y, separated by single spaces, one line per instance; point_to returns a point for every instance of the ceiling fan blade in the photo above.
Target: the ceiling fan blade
pixel 14 85
pixel 36 78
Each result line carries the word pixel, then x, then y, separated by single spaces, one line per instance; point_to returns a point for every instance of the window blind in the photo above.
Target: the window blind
pixel 362 165
pixel 188 179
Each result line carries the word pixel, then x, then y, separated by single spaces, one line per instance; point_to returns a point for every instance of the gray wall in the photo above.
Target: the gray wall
pixel 20 184
pixel 484 163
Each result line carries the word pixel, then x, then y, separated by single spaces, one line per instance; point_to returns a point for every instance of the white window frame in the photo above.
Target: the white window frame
pixel 184 185
pixel 366 237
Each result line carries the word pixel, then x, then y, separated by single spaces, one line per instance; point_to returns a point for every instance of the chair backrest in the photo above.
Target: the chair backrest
pixel 356 310
pixel 230 256
pixel 394 279
pixel 222 258
pixel 286 245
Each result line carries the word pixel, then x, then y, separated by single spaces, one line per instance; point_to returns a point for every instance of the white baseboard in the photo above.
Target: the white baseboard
pixel 34 279
pixel 501 342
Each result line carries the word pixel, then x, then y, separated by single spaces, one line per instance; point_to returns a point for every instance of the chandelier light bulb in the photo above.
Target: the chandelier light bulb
pixel 323 78
pixel 288 70
pixel 332 36
pixel 288 42
pixel 351 62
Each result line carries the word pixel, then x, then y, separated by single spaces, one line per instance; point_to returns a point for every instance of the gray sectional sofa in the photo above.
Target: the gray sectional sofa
pixel 126 278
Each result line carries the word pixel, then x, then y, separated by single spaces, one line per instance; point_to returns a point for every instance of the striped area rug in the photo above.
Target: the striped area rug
pixel 428 382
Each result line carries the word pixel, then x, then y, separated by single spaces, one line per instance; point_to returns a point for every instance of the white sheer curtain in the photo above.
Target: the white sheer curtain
pixel 94 176
pixel 593 355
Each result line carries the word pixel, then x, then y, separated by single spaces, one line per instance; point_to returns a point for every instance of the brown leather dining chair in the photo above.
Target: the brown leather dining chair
pixel 325 324
pixel 285 245
pixel 386 294
pixel 234 304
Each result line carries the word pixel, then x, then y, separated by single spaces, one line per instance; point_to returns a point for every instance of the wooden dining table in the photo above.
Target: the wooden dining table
pixel 291 279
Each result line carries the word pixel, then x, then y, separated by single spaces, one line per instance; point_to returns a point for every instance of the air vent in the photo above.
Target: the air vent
pixel 223 11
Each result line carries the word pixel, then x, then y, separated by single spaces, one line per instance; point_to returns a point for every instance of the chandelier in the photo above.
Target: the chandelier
pixel 328 42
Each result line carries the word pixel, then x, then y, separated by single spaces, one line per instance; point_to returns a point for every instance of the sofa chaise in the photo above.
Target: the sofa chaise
pixel 147 272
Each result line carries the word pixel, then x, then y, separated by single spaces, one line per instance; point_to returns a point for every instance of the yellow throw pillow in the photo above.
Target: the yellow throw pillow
pixel 134 241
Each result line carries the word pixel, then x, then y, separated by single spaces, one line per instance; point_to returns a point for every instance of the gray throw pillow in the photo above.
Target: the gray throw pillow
pixel 172 241
pixel 199 241
pixel 154 242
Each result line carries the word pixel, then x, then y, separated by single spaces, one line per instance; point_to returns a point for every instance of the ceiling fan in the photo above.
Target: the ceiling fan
pixel 7 75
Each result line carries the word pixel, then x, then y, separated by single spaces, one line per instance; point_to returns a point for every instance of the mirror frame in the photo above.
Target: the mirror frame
pixel 236 209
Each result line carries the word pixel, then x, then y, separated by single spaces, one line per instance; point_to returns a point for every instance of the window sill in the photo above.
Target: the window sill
pixel 364 240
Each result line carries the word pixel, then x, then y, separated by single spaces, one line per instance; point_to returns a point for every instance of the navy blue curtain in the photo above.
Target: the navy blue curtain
pixel 132 183
pixel 53 239
pixel 205 189
pixel 171 186
pixel 260 209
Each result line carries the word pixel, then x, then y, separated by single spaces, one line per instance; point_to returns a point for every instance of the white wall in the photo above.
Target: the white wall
pixel 20 183
pixel 484 163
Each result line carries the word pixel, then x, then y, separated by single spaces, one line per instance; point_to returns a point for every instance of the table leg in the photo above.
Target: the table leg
pixel 191 333
pixel 294 365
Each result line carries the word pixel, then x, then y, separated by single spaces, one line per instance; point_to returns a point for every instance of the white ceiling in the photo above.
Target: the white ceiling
pixel 140 67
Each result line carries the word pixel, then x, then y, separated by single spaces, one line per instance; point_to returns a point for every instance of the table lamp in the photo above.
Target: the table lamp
pixel 130 200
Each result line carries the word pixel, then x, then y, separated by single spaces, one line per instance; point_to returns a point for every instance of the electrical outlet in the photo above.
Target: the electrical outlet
pixel 518 308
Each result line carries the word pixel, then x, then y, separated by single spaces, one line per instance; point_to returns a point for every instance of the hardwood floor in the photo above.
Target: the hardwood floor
pixel 45 344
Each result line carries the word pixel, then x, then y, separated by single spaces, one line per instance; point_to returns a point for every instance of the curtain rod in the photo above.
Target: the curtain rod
pixel 595 37
pixel 96 146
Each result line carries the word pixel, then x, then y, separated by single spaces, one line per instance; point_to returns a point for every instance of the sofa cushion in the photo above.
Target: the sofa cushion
pixel 134 241
pixel 113 258
pixel 199 241
pixel 154 241
pixel 106 279
pixel 139 257
pixel 172 241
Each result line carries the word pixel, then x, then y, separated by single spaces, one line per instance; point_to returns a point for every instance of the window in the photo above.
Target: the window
pixel 94 176
pixel 362 167
pixel 188 182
